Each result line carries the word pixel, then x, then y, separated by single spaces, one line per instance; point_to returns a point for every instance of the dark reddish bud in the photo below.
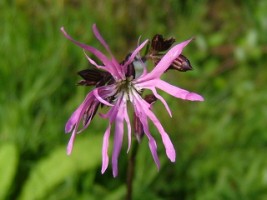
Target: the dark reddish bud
pixel 161 44
pixel 94 77
pixel 181 64
pixel 130 71
pixel 150 98
pixel 138 128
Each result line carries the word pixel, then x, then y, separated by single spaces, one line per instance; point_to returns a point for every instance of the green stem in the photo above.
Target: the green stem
pixel 131 170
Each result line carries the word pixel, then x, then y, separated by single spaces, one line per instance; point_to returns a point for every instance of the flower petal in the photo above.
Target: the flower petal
pixel 101 39
pixel 93 50
pixel 134 53
pixel 106 68
pixel 170 89
pixel 152 143
pixel 111 114
pixel 70 144
pixel 127 120
pixel 162 100
pixel 118 137
pixel 138 108
pixel 105 145
pixel 99 98
pixel 93 108
pixel 170 151
pixel 116 65
pixel 166 61
pixel 74 121
pixel 178 92
pixel 75 118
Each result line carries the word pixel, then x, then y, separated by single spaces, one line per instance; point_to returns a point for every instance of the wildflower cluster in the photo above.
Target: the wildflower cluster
pixel 120 85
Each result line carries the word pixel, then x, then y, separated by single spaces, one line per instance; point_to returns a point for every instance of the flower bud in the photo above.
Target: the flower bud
pixel 94 77
pixel 150 98
pixel 138 128
pixel 161 44
pixel 181 64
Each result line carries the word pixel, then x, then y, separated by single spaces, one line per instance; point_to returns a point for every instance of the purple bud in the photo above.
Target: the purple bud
pixel 161 44
pixel 94 77
pixel 150 98
pixel 138 128
pixel 181 64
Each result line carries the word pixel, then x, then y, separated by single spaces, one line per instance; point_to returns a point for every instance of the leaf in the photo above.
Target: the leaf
pixel 8 166
pixel 53 170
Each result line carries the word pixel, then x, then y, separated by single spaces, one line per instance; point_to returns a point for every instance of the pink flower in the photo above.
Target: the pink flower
pixel 122 90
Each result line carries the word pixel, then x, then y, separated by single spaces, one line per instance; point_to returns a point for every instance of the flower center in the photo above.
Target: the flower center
pixel 124 87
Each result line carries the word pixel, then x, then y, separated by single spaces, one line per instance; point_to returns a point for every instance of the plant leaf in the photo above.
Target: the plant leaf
pixel 8 166
pixel 53 170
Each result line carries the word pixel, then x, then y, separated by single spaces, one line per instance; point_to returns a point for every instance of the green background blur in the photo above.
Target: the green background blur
pixel 221 143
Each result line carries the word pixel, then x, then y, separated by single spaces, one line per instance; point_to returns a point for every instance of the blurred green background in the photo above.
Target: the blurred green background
pixel 221 143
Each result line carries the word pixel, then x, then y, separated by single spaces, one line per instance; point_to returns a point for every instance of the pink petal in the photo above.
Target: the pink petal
pixel 100 38
pixel 93 50
pixel 143 119
pixel 170 89
pixel 99 98
pixel 73 119
pixel 105 145
pixel 78 113
pixel 93 104
pixel 153 149
pixel 136 51
pixel 70 144
pixel 178 92
pixel 116 65
pixel 166 61
pixel 106 68
pixel 170 151
pixel 127 120
pixel 152 142
pixel 162 100
pixel 117 142
pixel 76 117
pixel 112 113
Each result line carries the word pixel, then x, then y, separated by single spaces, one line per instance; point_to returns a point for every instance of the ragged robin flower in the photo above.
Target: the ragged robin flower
pixel 118 87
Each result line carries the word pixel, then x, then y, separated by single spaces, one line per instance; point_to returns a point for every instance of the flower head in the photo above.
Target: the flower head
pixel 118 87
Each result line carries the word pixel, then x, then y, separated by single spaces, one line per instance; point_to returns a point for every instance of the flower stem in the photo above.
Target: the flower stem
pixel 131 170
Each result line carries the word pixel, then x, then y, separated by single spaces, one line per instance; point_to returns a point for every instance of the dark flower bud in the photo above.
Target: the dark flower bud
pixel 150 98
pixel 161 44
pixel 130 71
pixel 138 128
pixel 181 64
pixel 94 77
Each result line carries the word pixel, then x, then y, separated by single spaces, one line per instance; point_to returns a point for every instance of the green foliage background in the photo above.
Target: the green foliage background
pixel 221 143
